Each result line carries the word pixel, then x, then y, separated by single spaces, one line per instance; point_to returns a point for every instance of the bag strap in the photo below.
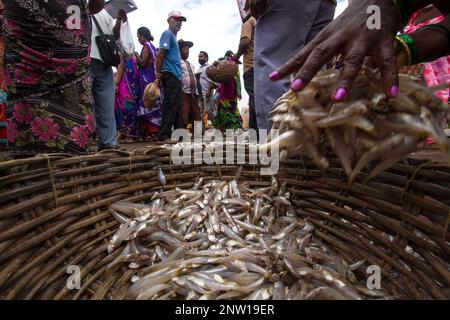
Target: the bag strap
pixel 98 25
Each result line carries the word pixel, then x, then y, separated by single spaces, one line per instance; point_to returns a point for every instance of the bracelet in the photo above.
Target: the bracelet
pixel 405 9
pixel 410 47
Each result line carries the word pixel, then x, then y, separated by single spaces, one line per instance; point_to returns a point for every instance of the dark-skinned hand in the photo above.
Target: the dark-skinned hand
pixel 350 36
pixel 257 7
pixel 122 16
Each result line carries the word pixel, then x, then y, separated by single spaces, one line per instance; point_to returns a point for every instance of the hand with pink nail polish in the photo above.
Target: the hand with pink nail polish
pixel 350 36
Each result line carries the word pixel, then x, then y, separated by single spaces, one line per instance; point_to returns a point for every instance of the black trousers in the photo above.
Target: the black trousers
pixel 249 83
pixel 172 105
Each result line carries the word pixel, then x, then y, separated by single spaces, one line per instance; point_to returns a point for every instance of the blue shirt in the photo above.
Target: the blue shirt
pixel 172 61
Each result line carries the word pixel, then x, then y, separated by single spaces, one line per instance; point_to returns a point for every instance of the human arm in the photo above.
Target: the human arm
pixel 119 74
pixel 95 6
pixel 145 59
pixel 431 42
pixel 159 63
pixel 257 7
pixel 350 36
pixel 121 18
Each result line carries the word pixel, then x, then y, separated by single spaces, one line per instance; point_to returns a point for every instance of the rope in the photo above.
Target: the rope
pixel 52 179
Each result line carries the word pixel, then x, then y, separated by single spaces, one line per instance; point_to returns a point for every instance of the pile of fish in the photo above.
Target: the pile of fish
pixel 367 126
pixel 224 240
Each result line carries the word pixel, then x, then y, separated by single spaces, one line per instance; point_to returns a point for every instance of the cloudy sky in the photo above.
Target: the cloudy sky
pixel 213 25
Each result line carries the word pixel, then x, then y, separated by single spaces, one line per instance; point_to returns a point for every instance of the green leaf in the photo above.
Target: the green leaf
pixel 85 110
pixel 69 123
pixel 21 142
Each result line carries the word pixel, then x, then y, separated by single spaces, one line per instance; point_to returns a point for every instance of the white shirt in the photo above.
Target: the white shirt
pixel 187 78
pixel 204 79
pixel 106 22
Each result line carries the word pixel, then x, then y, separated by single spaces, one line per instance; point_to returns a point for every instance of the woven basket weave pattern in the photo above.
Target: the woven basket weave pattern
pixel 224 72
pixel 54 213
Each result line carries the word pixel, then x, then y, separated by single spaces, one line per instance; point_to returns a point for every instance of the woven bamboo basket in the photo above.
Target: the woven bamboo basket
pixel 223 71
pixel 53 214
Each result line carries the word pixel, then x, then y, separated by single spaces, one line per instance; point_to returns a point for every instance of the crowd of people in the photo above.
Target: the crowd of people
pixel 58 93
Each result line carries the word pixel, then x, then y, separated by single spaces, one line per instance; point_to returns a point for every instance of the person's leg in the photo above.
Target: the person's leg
pixel 196 114
pixel 186 109
pixel 178 122
pixel 280 33
pixel 171 109
pixel 103 95
pixel 324 16
pixel 201 108
pixel 249 83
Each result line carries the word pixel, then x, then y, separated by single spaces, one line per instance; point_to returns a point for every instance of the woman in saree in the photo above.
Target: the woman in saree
pixel 150 119
pixel 3 95
pixel 126 101
pixel 47 58
pixel 228 115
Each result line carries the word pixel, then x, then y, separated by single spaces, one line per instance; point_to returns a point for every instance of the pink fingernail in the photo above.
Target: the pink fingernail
pixel 340 94
pixel 297 85
pixel 394 91
pixel 274 75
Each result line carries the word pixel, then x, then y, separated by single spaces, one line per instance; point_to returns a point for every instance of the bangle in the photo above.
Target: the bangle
pixel 405 9
pixel 410 47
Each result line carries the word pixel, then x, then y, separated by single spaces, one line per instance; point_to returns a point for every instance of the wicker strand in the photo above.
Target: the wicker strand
pixel 131 168
pixel 304 166
pixel 447 223
pixel 408 183
pixel 52 179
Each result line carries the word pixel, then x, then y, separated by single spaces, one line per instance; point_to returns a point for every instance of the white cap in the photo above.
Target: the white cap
pixel 176 14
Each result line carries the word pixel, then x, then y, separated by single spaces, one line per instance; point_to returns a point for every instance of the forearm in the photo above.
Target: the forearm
pixel 116 29
pixel 243 47
pixel 442 5
pixel 96 6
pixel 431 43
pixel 159 61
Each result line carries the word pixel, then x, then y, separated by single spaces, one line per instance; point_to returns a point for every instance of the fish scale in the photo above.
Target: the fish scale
pixel 244 244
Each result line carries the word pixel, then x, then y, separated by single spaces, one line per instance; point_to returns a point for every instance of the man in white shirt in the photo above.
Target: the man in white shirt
pixel 190 111
pixel 205 85
pixel 103 81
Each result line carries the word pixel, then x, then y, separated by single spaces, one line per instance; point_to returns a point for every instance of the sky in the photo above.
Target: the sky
pixel 212 25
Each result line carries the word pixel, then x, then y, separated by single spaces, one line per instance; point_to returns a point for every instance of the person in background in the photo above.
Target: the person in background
pixel 168 71
pixel 204 82
pixel 3 95
pixel 190 111
pixel 283 28
pixel 150 119
pixel 228 115
pixel 103 81
pixel 247 49
pixel 126 102
pixel 47 53
pixel 435 72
